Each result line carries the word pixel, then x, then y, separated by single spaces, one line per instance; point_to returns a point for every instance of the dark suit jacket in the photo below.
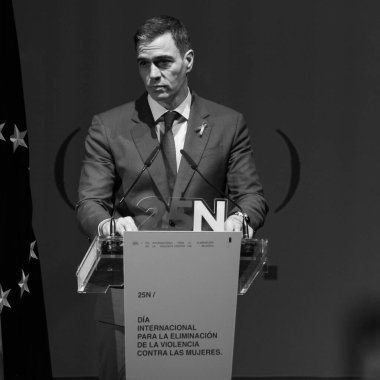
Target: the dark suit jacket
pixel 120 140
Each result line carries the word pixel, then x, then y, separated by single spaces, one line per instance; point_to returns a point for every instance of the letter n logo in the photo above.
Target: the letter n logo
pixel 215 220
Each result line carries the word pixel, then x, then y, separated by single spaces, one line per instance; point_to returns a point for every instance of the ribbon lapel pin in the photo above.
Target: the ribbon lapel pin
pixel 201 128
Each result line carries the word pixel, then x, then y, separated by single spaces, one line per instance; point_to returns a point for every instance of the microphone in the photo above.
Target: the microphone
pixel 147 163
pixel 194 166
pixel 190 161
pixel 112 244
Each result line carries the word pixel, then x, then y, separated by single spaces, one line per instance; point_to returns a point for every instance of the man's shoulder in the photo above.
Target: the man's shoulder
pixel 137 107
pixel 127 110
pixel 216 108
pixel 121 110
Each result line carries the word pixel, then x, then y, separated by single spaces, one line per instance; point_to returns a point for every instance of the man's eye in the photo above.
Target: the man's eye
pixel 142 64
pixel 163 64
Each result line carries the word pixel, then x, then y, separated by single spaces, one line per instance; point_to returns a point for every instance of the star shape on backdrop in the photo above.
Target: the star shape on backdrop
pixel 1 135
pixel 18 139
pixel 23 284
pixel 3 299
pixel 32 254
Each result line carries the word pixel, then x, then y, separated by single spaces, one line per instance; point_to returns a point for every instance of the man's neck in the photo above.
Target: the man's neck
pixel 176 101
pixel 158 109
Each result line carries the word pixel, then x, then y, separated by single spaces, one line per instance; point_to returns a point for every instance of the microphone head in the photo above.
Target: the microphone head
pixel 152 156
pixel 189 160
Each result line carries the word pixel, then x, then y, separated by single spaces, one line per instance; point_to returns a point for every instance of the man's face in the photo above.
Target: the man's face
pixel 163 70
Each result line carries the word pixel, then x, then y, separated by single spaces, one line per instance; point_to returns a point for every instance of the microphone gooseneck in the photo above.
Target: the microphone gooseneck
pixel 194 166
pixel 147 163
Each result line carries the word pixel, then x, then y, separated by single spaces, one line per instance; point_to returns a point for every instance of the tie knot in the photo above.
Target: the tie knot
pixel 169 118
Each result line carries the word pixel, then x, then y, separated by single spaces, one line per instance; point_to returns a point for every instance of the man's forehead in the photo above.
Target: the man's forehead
pixel 163 45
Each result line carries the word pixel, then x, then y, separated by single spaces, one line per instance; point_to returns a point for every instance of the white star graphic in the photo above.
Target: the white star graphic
pixel 3 299
pixel 1 135
pixel 18 139
pixel 23 284
pixel 32 254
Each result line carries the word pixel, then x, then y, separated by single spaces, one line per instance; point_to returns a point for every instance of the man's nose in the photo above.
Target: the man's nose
pixel 154 72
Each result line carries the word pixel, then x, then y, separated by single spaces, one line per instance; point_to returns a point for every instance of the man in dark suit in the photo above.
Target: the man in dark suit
pixel 120 140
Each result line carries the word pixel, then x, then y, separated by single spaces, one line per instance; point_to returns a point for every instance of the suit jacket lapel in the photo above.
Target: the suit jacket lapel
pixel 195 143
pixel 145 139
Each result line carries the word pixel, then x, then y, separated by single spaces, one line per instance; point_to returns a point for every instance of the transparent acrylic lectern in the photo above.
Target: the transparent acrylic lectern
pixel 180 270
pixel 102 267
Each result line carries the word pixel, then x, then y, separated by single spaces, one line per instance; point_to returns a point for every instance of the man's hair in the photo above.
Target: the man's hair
pixel 159 25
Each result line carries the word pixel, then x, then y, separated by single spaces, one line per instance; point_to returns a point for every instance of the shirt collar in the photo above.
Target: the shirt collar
pixel 183 109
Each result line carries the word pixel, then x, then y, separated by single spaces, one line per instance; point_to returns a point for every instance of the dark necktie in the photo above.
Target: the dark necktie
pixel 168 149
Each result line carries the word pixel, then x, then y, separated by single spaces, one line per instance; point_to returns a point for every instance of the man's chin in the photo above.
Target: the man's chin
pixel 160 93
pixel 160 96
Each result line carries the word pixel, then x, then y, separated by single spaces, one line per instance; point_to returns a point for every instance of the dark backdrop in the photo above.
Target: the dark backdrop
pixel 306 74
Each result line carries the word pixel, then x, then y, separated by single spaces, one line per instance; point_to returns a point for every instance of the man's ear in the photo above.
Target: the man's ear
pixel 189 59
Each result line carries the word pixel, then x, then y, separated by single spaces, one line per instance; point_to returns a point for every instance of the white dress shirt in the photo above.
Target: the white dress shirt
pixel 179 126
